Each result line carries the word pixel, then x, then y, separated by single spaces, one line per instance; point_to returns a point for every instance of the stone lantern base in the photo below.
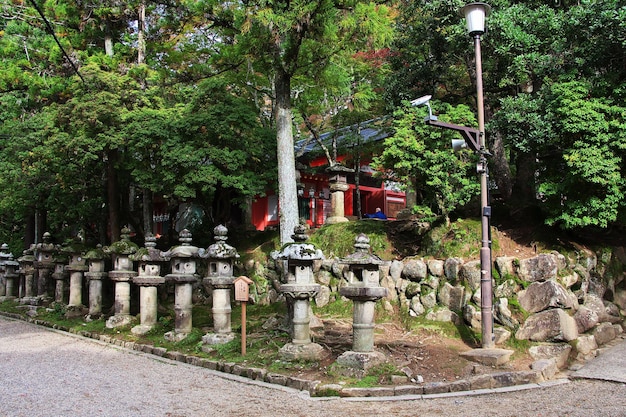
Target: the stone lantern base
pixel 75 311
pixel 356 364
pixel 175 336
pixel 118 320
pixel 306 352
pixel 211 339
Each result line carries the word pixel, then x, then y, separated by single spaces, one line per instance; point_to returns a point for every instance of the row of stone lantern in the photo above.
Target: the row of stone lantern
pixel 362 271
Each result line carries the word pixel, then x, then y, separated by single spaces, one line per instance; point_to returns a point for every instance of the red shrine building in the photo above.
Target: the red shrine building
pixel 366 191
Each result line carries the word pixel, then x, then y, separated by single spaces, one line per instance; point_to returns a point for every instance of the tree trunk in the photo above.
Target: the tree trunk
pixel 147 211
pixel 113 196
pixel 525 178
pixel 501 172
pixel 287 190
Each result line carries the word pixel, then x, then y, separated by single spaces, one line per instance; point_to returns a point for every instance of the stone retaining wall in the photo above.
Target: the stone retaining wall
pixel 575 301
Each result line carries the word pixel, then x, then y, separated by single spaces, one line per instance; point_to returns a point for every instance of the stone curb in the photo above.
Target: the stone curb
pixel 480 384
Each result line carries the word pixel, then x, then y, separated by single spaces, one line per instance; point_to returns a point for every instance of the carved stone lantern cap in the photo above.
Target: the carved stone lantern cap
pixel 299 249
pixel 28 255
pixel 6 257
pixel 124 246
pixel 73 246
pixel 149 253
pixel 362 255
pixel 220 249
pixel 185 249
pixel 4 252
pixel 46 245
pixel 96 253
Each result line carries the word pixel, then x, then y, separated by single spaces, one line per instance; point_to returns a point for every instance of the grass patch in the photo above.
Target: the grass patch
pixel 460 239
pixel 338 239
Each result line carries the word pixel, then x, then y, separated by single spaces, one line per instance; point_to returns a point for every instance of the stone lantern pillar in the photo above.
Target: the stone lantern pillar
pixel 27 271
pixel 300 288
pixel 364 290
pixel 220 280
pixel 44 264
pixel 148 279
pixel 8 267
pixel 95 274
pixel 4 257
pixel 121 274
pixel 60 276
pixel 76 268
pixel 338 184
pixel 183 275
pixel 11 276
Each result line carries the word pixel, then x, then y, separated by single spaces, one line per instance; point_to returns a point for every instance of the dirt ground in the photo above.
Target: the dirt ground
pixel 423 355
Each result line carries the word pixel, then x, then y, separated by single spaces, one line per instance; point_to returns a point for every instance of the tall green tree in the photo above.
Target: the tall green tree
pixel 531 50
pixel 420 157
pixel 286 42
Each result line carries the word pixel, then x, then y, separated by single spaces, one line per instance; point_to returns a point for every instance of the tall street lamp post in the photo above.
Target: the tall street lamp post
pixel 475 14
pixel 473 139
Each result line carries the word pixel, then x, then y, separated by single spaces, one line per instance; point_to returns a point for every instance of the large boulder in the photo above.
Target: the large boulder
pixel 540 296
pixel 539 268
pixel 415 270
pixel 472 317
pixel 452 267
pixel 395 270
pixel 558 351
pixel 435 267
pixel 605 310
pixel 469 273
pixel 586 319
pixel 505 265
pixel 586 347
pixel 604 333
pixel 452 297
pixel 549 326
pixel 429 299
pixel 503 315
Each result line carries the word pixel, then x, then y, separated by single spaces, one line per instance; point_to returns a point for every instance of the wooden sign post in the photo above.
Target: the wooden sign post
pixel 242 293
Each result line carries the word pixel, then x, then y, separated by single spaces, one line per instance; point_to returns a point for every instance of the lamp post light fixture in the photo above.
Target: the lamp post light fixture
pixel 474 139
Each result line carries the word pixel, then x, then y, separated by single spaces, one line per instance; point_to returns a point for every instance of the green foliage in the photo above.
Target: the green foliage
pixel 420 157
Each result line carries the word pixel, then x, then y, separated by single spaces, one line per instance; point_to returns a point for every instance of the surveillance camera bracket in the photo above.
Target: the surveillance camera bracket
pixel 471 136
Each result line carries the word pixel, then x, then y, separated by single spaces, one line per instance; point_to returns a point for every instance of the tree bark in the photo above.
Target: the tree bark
pixel 501 170
pixel 287 190
pixel 113 196
pixel 525 178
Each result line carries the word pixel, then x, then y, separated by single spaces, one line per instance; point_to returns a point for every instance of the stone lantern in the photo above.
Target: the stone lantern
pixel 299 289
pixel 4 257
pixel 44 264
pixel 220 280
pixel 183 275
pixel 95 274
pixel 148 279
pixel 364 290
pixel 8 266
pixel 338 184
pixel 27 271
pixel 60 277
pixel 76 267
pixel 121 274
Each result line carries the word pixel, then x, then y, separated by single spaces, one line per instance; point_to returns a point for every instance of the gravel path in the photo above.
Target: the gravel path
pixel 49 373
